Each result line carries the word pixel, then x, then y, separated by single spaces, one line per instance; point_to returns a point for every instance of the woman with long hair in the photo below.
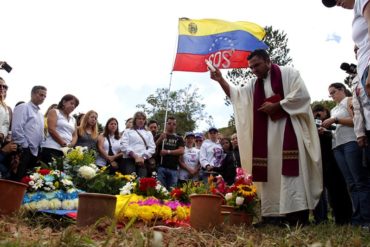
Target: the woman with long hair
pixel 88 131
pixel 109 145
pixel 349 155
pixel 61 128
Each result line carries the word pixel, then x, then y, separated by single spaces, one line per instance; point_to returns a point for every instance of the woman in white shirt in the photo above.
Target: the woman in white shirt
pixel 138 144
pixel 61 128
pixel 109 146
pixel 349 155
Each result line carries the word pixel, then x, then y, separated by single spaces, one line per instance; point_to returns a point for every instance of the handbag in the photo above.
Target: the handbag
pixel 150 163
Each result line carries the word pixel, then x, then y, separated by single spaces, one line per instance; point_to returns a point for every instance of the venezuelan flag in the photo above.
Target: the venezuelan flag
pixel 226 44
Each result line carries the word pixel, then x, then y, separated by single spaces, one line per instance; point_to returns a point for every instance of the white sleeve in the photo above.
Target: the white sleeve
pixel 203 156
pixel 151 144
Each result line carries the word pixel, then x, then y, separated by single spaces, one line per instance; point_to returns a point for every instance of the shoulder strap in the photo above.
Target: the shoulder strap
pixel 110 151
pixel 146 146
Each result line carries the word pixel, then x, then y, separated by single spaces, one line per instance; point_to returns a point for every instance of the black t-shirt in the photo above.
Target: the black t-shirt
pixel 172 142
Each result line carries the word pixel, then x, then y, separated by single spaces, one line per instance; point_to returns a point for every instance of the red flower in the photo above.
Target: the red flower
pixel 26 180
pixel 44 171
pixel 147 183
pixel 176 193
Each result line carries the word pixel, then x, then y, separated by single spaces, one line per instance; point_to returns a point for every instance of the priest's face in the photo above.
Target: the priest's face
pixel 259 66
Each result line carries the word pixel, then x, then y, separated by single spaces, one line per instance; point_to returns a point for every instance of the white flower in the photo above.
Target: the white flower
pixel 127 188
pixel 30 206
pixel 75 202
pixel 68 204
pixel 65 150
pixel 55 204
pixel 66 182
pixel 239 200
pixel 86 172
pixel 42 204
pixel 95 167
pixel 228 196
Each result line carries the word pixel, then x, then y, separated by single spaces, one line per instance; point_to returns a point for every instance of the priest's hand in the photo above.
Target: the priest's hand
pixel 217 75
pixel 270 108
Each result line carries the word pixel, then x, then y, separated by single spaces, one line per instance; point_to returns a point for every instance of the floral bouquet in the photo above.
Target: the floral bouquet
pixel 49 189
pixel 145 187
pixel 47 180
pixel 148 209
pixel 242 194
pixel 76 157
pixel 92 179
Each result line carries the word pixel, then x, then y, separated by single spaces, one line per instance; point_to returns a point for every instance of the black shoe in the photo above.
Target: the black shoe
pixel 271 221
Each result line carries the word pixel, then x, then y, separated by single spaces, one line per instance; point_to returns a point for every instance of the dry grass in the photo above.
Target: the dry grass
pixel 43 230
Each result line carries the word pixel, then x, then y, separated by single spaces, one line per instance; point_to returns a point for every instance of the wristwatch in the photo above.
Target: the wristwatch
pixel 336 121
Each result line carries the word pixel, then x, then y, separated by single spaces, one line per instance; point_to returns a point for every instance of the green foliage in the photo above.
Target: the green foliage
pixel 102 183
pixel 326 103
pixel 184 104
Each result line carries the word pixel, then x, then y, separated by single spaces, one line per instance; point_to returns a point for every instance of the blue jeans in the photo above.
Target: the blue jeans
pixel 349 159
pixel 167 177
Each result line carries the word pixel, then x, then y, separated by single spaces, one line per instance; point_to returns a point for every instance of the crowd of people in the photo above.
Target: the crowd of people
pixel 30 138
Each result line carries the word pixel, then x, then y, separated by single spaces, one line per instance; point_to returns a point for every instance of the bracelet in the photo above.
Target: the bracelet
pixel 336 120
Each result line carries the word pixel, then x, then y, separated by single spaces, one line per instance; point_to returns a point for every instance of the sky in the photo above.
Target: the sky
pixel 112 54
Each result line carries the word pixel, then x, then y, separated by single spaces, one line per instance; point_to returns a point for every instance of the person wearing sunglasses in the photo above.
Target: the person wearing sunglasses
pixel 5 112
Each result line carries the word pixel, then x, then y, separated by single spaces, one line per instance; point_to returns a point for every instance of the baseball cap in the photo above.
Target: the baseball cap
pixel 187 134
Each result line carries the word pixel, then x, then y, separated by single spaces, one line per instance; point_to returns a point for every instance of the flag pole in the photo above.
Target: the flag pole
pixel 169 91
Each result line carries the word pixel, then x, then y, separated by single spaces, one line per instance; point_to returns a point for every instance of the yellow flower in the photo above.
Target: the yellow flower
pixel 247 190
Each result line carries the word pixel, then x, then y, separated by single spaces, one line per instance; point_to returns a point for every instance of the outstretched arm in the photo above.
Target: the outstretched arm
pixel 217 76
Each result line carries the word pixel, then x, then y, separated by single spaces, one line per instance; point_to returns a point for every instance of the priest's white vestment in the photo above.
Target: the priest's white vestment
pixel 282 194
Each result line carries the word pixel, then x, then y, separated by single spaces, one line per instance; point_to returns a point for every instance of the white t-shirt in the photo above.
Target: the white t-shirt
pixel 342 134
pixel 65 128
pixel 360 36
pixel 191 159
pixel 116 147
pixel 211 153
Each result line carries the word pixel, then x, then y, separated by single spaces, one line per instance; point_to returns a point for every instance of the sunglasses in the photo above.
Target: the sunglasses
pixel 198 141
pixel 4 86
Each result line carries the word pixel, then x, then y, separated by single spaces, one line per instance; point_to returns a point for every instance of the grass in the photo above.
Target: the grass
pixel 44 230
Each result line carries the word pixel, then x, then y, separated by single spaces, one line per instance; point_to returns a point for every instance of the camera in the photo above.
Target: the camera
pixel 349 68
pixel 5 66
pixel 318 122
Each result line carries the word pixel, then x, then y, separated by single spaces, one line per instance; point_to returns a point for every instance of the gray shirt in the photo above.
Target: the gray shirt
pixel 28 126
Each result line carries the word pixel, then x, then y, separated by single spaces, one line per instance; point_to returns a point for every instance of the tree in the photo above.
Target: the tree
pixel 277 41
pixel 184 104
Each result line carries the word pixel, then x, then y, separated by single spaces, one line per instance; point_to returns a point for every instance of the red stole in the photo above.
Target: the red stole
pixel 290 166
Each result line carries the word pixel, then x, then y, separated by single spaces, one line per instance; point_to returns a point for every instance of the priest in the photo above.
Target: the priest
pixel 278 139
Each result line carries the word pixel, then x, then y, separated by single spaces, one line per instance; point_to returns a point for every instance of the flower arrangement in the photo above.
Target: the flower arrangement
pixel 145 187
pixel 92 179
pixel 242 194
pixel 56 200
pixel 78 156
pixel 147 209
pixel 47 180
